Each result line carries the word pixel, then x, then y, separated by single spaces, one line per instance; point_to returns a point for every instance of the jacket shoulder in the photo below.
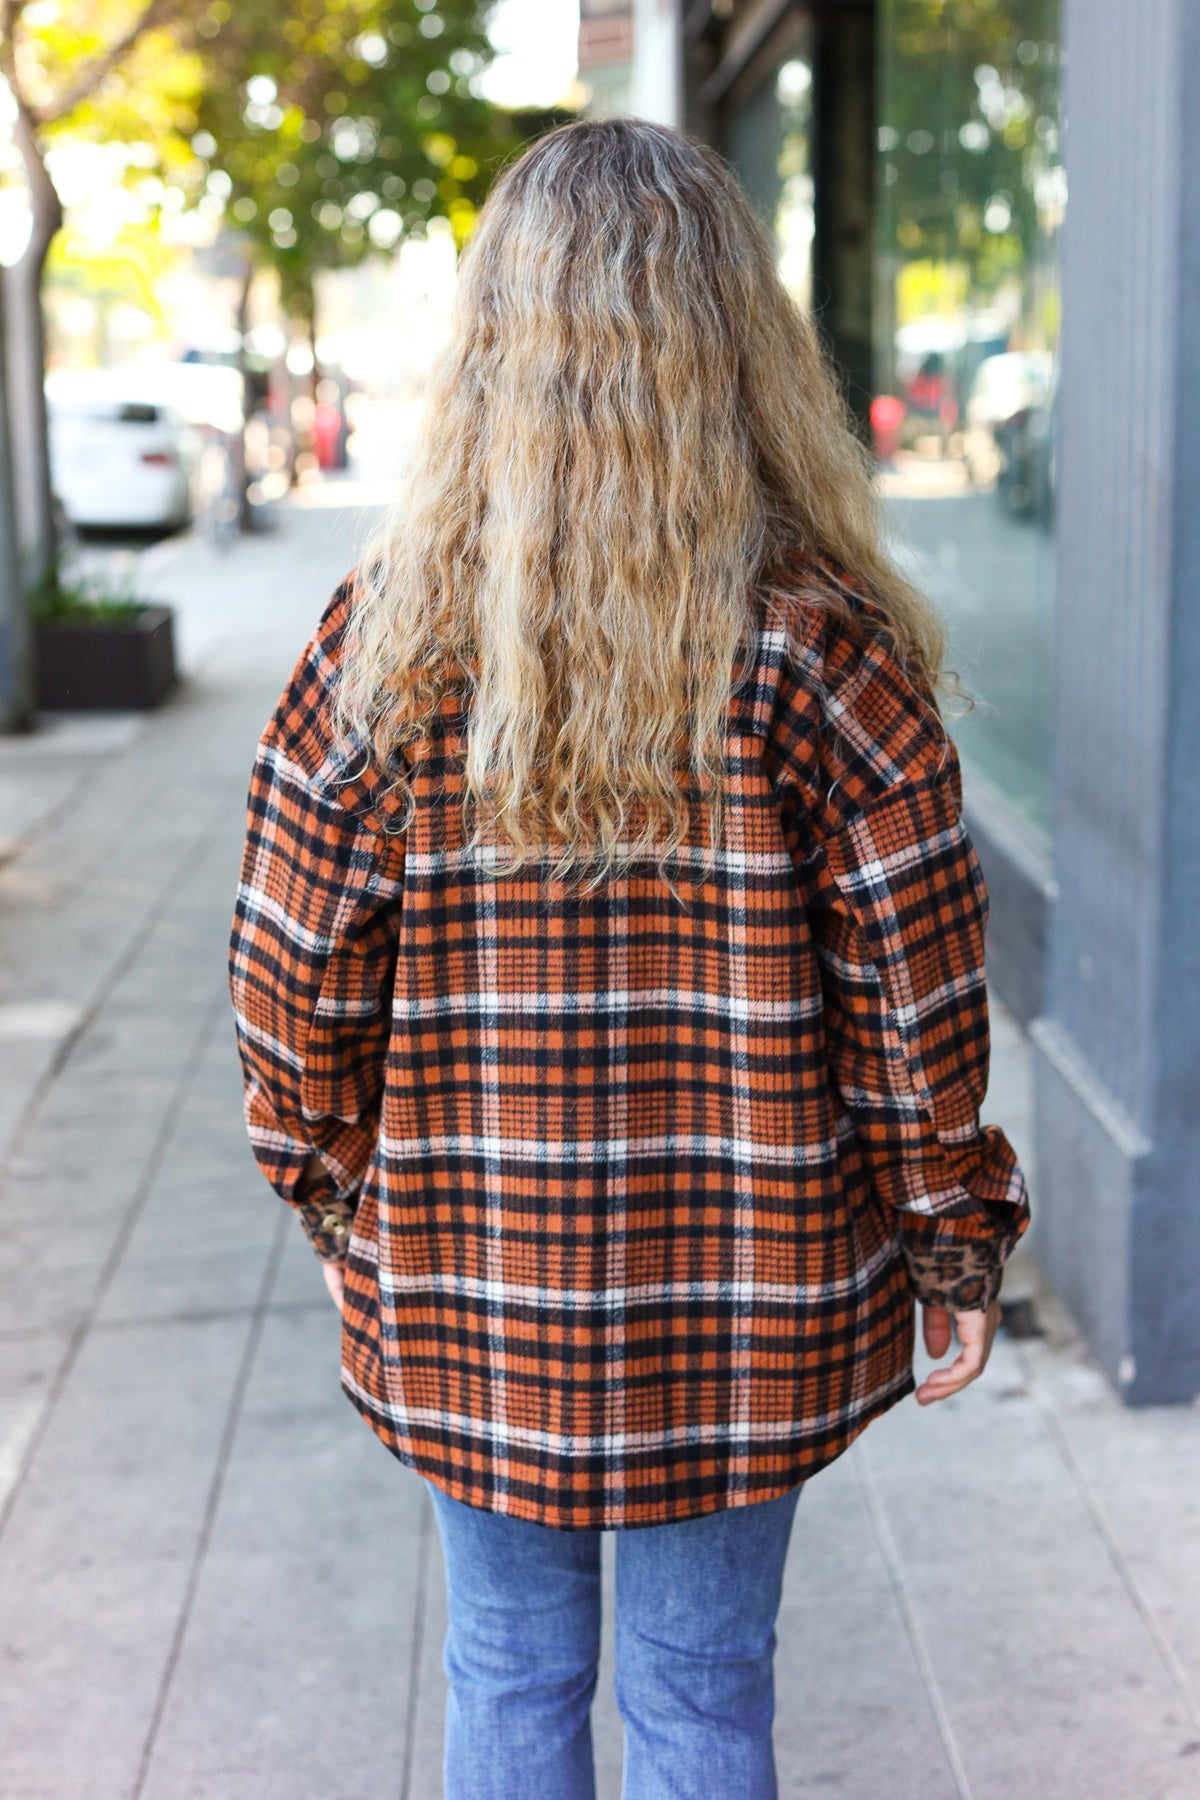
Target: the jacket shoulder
pixel 302 723
pixel 341 770
pixel 850 722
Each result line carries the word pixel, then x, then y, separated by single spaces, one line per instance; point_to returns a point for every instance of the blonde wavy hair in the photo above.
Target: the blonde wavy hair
pixel 632 432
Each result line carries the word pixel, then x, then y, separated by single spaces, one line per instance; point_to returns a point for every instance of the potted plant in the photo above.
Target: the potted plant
pixel 97 647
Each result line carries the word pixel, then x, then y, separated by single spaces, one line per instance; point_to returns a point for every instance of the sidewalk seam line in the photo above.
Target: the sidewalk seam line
pixel 1090 1500
pixel 54 816
pixel 418 1650
pixel 158 1149
pixel 895 1574
pixel 123 963
pixel 216 1487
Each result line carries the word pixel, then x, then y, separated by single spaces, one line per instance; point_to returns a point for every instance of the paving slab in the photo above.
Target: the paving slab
pixel 97 1552
pixel 294 1674
pixel 423 1765
pixel 852 1719
pixel 28 1367
pixel 1040 1654
pixel 1138 1478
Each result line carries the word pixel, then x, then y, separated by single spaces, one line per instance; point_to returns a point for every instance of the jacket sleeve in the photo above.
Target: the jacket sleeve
pixel 898 910
pixel 312 960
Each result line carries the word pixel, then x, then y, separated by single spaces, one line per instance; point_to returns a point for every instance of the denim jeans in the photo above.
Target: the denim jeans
pixel 695 1641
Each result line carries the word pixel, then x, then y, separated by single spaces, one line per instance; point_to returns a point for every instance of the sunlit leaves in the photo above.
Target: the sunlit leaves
pixel 968 133
pixel 382 127
pixel 324 130
pixel 148 99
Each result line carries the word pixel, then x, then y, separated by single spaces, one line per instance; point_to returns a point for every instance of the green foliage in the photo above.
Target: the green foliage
pixel 146 101
pixel 968 124
pixel 130 268
pixel 333 128
pixel 324 129
pixel 61 598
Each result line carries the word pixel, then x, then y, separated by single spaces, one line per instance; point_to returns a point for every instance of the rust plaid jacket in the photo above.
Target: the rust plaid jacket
pixel 635 1193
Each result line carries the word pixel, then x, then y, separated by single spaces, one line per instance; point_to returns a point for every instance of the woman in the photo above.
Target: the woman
pixel 608 966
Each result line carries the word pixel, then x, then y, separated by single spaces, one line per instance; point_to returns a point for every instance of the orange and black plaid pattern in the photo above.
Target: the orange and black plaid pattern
pixel 635 1189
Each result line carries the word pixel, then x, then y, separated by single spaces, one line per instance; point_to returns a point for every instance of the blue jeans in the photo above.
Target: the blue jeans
pixel 695 1642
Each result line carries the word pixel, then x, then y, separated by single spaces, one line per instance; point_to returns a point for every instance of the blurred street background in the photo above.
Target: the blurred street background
pixel 228 239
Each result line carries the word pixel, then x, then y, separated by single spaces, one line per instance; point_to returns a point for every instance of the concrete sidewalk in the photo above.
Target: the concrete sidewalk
pixel 216 1585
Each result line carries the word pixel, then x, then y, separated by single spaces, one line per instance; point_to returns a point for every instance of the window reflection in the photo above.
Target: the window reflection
pixel 770 135
pixel 970 202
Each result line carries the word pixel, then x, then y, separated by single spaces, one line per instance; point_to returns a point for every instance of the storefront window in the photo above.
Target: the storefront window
pixel 770 133
pixel 970 202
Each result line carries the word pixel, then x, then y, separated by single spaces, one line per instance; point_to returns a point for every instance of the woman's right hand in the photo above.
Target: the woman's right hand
pixel 335 1281
pixel 976 1334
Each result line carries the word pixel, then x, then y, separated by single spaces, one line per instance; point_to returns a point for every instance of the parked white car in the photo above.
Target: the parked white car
pixel 119 455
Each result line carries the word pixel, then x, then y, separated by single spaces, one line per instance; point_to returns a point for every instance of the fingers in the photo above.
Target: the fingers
pixel 935 1322
pixel 941 1383
pixel 335 1281
pixel 976 1331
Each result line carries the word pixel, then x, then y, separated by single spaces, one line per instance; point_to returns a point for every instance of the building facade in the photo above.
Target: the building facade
pixel 630 58
pixel 606 55
pixel 1022 364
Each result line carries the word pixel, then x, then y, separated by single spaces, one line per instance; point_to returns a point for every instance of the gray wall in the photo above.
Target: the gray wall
pixel 1118 1047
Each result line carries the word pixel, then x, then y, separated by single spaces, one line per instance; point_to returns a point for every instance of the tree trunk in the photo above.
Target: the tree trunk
pixel 25 344
pixel 16 685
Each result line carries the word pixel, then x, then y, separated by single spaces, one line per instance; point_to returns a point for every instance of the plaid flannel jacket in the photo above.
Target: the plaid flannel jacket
pixel 634 1191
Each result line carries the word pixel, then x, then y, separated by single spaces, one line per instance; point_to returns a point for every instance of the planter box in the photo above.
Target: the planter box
pixel 115 666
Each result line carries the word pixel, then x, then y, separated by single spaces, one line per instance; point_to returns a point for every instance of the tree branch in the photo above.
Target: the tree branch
pixel 43 195
pixel 155 13
pixel 10 14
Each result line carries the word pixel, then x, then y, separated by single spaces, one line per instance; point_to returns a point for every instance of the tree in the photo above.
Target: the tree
pixel 346 126
pixel 969 125
pixel 329 127
pixel 91 68
pixel 15 697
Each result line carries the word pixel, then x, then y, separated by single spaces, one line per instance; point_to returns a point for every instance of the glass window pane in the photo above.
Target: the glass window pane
pixel 769 142
pixel 970 201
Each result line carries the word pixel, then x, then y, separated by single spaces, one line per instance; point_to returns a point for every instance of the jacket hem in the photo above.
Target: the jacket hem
pixel 804 1461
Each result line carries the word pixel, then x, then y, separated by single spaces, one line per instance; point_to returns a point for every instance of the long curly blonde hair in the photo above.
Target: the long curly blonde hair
pixel 632 431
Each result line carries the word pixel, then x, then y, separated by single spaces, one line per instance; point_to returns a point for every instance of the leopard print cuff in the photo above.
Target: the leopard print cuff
pixel 327 1221
pixel 327 1225
pixel 962 1277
